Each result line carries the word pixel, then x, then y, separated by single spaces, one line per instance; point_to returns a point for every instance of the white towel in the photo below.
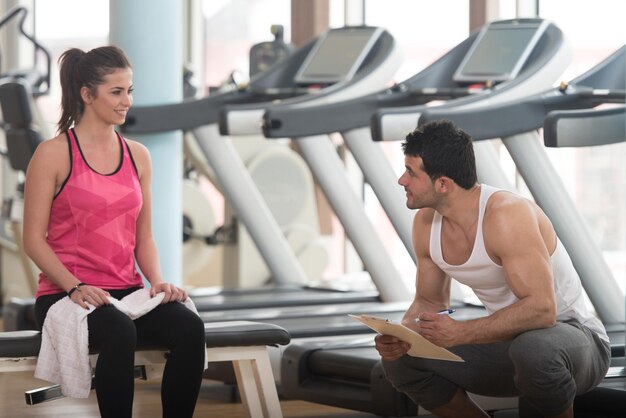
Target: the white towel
pixel 64 354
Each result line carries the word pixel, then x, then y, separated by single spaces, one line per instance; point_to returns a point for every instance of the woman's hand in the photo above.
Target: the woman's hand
pixel 172 293
pixel 90 294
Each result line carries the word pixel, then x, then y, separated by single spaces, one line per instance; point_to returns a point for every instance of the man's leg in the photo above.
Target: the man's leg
pixel 555 364
pixel 459 402
pixel 439 386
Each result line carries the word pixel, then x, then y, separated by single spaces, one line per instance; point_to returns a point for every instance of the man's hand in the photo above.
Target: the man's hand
pixel 172 293
pixel 439 329
pixel 391 348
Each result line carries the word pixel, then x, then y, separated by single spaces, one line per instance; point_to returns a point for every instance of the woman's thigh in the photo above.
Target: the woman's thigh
pixel 169 324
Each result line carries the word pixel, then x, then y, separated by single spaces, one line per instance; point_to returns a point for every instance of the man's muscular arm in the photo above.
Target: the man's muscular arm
pixel 432 288
pixel 517 236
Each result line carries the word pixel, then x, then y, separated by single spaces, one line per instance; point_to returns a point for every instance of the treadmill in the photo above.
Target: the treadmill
pixel 286 117
pixel 299 118
pixel 516 123
pixel 350 375
pixel 296 118
pixel 368 53
pixel 293 118
pixel 326 68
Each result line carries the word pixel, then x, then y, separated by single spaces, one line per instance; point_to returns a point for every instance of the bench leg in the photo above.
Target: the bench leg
pixel 247 378
pixel 254 378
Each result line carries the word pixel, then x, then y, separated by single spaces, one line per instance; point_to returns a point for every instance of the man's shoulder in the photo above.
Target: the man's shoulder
pixel 513 213
pixel 424 216
pixel 504 201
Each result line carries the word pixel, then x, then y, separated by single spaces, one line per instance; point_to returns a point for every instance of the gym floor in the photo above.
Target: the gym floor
pixel 215 401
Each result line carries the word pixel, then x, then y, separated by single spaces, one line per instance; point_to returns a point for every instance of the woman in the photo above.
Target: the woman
pixel 87 224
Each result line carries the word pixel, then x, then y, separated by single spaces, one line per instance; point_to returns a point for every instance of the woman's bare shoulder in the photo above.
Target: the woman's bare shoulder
pixel 141 156
pixel 53 149
pixel 138 149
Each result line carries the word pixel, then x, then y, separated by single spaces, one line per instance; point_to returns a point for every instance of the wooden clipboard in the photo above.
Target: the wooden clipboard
pixel 420 346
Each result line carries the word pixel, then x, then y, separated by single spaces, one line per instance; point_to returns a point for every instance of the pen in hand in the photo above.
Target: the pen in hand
pixel 441 312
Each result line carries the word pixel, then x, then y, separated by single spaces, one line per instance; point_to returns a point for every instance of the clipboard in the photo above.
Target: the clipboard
pixel 420 346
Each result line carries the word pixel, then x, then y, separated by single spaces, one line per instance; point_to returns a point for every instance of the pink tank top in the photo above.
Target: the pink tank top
pixel 93 221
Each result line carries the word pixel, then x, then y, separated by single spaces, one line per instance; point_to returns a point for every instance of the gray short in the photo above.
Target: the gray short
pixel 546 368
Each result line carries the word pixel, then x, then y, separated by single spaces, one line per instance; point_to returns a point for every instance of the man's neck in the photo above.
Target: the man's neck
pixel 461 206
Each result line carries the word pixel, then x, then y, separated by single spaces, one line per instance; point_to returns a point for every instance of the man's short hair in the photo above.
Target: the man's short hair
pixel 445 150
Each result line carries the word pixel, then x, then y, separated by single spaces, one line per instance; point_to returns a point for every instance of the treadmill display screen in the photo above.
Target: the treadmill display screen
pixel 337 55
pixel 499 52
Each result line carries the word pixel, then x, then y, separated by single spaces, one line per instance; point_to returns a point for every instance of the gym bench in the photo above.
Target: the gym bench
pixel 243 343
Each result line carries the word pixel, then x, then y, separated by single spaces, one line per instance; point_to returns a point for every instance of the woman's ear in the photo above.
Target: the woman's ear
pixel 85 94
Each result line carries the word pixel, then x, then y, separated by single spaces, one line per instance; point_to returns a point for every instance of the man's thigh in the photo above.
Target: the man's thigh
pixel 570 349
pixel 487 369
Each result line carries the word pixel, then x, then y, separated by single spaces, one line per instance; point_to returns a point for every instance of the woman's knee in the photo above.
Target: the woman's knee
pixel 184 327
pixel 109 326
pixel 192 329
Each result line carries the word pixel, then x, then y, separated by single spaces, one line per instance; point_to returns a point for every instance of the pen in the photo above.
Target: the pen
pixel 441 312
pixel 447 311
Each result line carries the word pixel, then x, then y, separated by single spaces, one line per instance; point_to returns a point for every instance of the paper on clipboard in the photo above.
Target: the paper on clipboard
pixel 420 346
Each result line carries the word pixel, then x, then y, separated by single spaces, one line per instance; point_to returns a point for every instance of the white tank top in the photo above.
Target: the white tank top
pixel 486 278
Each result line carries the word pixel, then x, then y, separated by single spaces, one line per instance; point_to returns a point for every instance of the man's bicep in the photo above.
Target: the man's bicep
pixel 523 254
pixel 528 272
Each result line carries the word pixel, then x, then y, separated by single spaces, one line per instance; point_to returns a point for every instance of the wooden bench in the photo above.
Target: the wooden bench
pixel 243 343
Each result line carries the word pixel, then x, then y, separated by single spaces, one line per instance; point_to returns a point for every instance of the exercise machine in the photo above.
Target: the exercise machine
pixel 329 69
pixel 370 50
pixel 21 125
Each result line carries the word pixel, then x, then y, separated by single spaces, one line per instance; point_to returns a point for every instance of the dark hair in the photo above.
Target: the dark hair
pixel 445 150
pixel 85 69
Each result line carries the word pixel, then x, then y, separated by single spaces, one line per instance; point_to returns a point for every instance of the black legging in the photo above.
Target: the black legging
pixel 115 336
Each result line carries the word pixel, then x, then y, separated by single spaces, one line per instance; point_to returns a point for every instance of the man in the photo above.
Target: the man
pixel 539 340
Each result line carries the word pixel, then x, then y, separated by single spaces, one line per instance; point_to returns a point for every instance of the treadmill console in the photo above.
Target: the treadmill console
pixel 500 51
pixel 337 55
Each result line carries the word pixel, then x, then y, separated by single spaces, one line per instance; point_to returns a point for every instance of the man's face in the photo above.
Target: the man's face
pixel 419 188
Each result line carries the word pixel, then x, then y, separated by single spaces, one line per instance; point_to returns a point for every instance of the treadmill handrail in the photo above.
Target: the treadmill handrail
pixel 188 114
pixel 194 113
pixel 563 128
pixel 505 119
pixel 288 122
